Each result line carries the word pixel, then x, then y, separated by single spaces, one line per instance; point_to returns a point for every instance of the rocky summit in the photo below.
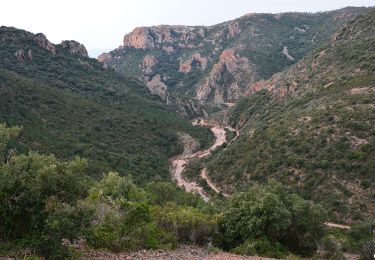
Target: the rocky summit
pixel 75 48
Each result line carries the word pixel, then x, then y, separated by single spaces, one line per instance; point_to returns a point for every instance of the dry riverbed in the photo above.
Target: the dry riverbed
pixel 178 163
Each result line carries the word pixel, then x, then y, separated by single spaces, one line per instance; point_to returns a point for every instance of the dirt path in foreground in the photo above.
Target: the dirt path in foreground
pixel 183 252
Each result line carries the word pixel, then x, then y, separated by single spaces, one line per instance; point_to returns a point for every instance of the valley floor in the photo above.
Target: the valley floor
pixel 179 162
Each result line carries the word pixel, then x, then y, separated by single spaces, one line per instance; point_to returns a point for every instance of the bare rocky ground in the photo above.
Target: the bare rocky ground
pixel 184 252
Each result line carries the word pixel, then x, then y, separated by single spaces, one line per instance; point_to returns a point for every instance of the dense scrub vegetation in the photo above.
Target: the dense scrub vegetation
pixel 359 238
pixel 319 137
pixel 68 106
pixel 270 221
pixel 317 141
pixel 45 201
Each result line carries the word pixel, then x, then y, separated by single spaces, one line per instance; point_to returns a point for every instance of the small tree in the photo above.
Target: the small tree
pixel 6 135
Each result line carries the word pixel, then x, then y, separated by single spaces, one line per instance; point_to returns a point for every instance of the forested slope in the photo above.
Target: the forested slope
pixel 70 106
pixel 312 127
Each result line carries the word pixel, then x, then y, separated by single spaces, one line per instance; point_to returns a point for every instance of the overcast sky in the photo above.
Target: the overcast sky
pixel 102 24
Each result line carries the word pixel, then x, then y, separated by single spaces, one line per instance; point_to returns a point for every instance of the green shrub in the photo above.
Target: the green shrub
pixel 261 247
pixel 272 214
pixel 187 224
pixel 331 249
pixel 368 250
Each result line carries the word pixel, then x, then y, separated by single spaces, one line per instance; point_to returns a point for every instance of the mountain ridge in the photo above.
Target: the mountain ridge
pixel 186 56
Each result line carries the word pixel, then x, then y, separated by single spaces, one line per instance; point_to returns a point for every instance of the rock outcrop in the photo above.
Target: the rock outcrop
pixel 195 59
pixel 20 54
pixel 228 78
pixel 104 57
pixel 41 41
pixel 149 62
pixel 157 87
pixel 139 38
pixel 152 37
pixel 153 81
pixel 75 48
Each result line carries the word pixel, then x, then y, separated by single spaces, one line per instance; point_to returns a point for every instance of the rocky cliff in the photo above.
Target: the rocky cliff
pixel 157 36
pixel 215 64
pixel 227 79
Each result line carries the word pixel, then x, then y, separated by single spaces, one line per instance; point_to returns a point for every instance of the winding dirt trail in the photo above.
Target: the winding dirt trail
pixel 178 163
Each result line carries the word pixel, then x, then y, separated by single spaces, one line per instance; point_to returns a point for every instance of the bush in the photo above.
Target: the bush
pixel 368 250
pixel 187 224
pixel 269 213
pixel 161 193
pixel 29 182
pixel 330 249
pixel 114 186
pixel 261 247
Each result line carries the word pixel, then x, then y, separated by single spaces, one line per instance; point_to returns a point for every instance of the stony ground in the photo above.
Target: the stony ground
pixel 185 252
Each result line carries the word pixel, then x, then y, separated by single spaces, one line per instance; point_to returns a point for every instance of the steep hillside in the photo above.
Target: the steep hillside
pixel 312 127
pixel 70 107
pixel 217 63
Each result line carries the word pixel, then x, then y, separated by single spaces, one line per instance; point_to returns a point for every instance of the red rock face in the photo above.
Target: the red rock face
pixel 149 62
pixel 140 38
pixel 228 78
pixel 157 86
pixel 186 66
pixel 41 40
pixel 152 37
pixel 104 57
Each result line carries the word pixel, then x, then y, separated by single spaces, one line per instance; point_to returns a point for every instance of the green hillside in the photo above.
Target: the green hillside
pixel 70 107
pixel 312 128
